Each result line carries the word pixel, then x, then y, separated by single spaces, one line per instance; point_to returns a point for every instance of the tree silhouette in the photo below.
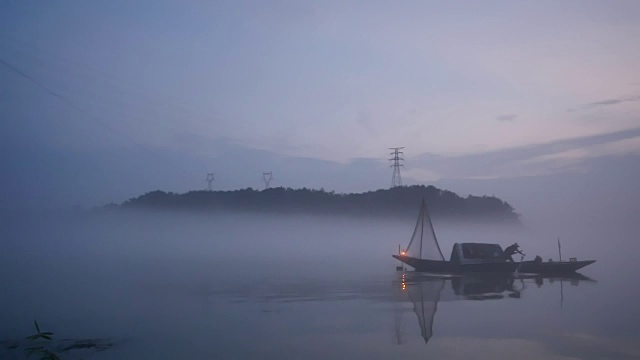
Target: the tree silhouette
pixel 398 201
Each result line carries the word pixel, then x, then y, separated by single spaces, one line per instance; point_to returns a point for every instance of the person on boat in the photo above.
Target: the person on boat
pixel 512 250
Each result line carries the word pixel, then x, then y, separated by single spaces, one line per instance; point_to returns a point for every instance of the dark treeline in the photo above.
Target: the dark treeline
pixel 399 202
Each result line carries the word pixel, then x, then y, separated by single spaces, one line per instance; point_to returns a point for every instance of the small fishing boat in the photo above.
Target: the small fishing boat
pixel 423 254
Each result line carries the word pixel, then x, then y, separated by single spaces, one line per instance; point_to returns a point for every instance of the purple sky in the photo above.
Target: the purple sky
pixel 103 101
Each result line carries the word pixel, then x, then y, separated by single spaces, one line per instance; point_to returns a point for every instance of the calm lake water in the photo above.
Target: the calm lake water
pixel 283 288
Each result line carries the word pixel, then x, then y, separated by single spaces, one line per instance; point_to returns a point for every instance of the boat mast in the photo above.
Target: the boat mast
pixel 415 232
pixel 422 213
pixel 559 249
pixel 433 232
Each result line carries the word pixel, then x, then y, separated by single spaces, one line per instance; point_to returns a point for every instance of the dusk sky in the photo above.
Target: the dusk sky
pixel 101 101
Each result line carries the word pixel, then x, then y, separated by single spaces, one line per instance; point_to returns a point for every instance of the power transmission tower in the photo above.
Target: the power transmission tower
pixel 210 179
pixel 267 177
pixel 396 158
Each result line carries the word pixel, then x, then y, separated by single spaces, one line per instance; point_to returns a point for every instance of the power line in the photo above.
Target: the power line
pixel 396 158
pixel 84 74
pixel 73 105
pixel 62 98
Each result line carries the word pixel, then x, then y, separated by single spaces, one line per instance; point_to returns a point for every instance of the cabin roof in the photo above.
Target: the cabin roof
pixel 478 243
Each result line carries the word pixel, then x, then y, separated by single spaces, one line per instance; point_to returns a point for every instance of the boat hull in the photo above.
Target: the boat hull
pixel 532 267
pixel 448 267
pixel 551 268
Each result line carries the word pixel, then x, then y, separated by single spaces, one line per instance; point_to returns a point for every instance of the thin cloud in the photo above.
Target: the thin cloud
pixel 609 102
pixel 507 117
pixel 559 156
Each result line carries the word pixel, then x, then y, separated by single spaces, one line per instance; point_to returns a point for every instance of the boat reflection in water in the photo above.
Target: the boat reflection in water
pixel 426 291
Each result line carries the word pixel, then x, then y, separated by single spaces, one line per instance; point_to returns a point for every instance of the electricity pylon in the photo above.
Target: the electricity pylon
pixel 396 158
pixel 267 177
pixel 210 178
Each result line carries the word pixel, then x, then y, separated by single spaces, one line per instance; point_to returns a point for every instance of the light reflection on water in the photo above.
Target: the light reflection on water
pixel 388 315
pixel 181 298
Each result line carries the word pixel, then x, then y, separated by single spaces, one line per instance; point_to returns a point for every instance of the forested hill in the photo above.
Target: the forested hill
pixel 397 202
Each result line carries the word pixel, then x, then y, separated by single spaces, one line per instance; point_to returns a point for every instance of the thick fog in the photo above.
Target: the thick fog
pixel 134 276
pixel 534 103
pixel 164 283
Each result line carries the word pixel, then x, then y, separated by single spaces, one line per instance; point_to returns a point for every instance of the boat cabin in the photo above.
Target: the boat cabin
pixel 477 253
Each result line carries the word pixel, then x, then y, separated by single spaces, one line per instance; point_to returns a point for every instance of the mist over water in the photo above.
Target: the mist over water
pixel 171 285
pixel 533 104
